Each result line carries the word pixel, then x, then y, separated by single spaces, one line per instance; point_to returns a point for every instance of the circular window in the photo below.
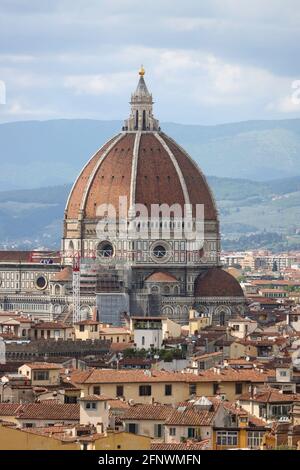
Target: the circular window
pixel 159 251
pixel 41 282
pixel 105 250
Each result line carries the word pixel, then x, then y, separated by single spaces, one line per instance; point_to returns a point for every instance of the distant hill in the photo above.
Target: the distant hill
pixel 253 214
pixel 50 153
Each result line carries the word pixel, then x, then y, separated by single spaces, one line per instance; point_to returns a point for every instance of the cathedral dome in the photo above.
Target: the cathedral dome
pixel 215 282
pixel 143 164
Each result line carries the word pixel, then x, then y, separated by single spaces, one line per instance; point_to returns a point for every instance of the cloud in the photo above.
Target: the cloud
pixel 99 84
pixel 207 62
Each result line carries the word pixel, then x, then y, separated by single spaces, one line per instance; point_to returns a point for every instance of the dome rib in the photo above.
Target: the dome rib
pixel 157 181
pixel 211 212
pixel 79 183
pixel 136 149
pixel 117 138
pixel 176 166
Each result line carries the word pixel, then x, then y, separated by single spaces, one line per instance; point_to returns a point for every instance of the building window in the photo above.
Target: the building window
pixel 191 433
pixel 262 411
pixel 283 373
pixel 168 390
pixel 201 365
pixel 227 438
pixel 255 439
pixel 145 390
pixel 215 388
pixel 158 430
pixel 119 391
pixel 41 375
pixel 277 411
pixel 91 405
pixel 172 431
pixel 96 390
pixel 81 327
pixel 70 399
pixel 238 388
pixel 192 389
pixel 143 340
pixel 133 428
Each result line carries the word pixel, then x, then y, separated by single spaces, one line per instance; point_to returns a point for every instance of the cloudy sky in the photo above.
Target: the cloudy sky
pixel 206 62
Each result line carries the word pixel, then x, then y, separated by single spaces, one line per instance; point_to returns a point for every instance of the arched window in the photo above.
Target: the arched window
pixel 144 120
pixel 166 290
pixel 167 311
pixel 57 290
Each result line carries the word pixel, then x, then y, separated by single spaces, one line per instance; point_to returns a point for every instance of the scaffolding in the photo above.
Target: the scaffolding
pixel 76 289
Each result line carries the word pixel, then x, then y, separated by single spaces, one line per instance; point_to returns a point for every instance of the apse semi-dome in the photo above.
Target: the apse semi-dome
pixel 215 282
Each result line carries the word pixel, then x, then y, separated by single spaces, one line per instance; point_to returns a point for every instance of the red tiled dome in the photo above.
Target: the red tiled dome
pixel 154 170
pixel 160 276
pixel 216 282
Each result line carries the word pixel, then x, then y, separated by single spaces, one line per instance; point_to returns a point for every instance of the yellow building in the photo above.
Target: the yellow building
pixel 87 329
pixel 148 386
pixel 197 322
pixel 20 439
pixel 115 334
pixel 41 373
pixel 140 386
pixel 122 441
pixel 12 438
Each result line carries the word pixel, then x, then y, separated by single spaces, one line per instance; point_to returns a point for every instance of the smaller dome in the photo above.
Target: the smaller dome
pixel 216 282
pixel 160 276
pixel 64 275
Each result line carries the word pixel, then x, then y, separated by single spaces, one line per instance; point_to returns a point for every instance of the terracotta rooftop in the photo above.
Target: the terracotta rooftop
pixel 127 376
pixel 155 412
pixel 228 374
pixel 43 365
pixel 49 411
pixel 114 330
pixel 189 445
pixel 9 409
pixel 94 398
pixel 87 322
pixel 50 325
pixel 270 396
pixel 40 411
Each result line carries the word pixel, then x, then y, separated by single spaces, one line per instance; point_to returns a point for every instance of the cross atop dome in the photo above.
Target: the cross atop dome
pixel 141 117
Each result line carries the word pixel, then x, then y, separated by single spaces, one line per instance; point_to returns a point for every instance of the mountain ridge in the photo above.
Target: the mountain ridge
pixel 42 153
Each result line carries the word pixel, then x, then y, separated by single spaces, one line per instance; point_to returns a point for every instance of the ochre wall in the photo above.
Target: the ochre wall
pixel 15 439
